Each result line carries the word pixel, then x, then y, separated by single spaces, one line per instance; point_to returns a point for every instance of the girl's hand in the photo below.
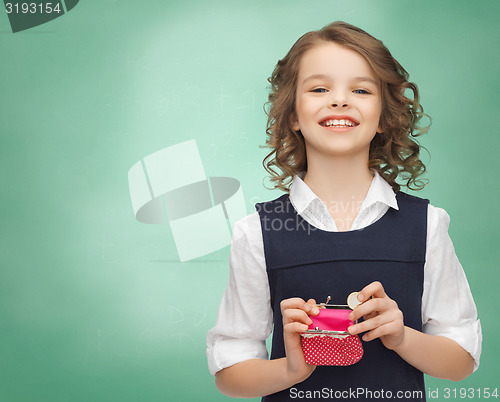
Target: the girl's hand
pixel 382 317
pixel 295 312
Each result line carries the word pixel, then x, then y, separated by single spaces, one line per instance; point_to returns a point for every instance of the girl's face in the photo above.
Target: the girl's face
pixel 338 102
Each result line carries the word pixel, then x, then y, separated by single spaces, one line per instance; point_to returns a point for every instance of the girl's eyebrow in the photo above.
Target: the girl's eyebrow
pixel 357 79
pixel 314 77
pixel 324 76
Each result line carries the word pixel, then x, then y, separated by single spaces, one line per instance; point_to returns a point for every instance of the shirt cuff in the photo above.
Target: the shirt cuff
pixel 224 352
pixel 468 336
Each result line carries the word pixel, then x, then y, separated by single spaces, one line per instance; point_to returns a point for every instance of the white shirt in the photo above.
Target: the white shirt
pixel 245 315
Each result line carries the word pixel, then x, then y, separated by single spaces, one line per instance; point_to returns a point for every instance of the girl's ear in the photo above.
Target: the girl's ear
pixel 380 129
pixel 294 122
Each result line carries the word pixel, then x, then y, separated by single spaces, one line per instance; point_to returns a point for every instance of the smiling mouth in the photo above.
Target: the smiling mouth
pixel 338 123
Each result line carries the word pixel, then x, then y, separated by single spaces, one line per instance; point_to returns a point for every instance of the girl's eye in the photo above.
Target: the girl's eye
pixel 319 90
pixel 361 91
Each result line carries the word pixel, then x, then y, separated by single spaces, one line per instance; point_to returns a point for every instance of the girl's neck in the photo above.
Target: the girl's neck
pixel 339 179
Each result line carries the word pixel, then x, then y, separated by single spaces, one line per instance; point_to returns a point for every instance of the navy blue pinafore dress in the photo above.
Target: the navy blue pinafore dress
pixel 306 262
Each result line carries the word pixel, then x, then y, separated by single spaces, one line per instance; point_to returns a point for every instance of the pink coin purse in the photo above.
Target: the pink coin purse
pixel 327 341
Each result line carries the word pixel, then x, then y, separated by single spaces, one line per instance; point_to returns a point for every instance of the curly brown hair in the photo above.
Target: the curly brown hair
pixel 393 152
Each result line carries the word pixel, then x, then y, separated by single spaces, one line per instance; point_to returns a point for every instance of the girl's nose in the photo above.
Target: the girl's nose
pixel 339 100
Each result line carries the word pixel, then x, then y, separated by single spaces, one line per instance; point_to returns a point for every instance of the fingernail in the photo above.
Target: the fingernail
pixel 365 338
pixel 351 316
pixel 360 297
pixel 315 310
pixel 352 329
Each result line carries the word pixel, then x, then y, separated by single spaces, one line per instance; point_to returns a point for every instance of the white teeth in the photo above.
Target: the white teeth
pixel 339 123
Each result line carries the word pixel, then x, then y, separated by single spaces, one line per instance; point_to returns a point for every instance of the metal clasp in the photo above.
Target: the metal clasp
pixel 332 306
pixel 317 330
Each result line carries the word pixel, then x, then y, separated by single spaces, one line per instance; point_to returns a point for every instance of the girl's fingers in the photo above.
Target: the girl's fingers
pixel 298 303
pixel 314 309
pixel 377 321
pixel 386 329
pixel 374 289
pixel 294 327
pixel 366 325
pixel 293 302
pixel 370 307
pixel 297 310
pixel 374 322
pixel 382 315
pixel 370 315
pixel 296 315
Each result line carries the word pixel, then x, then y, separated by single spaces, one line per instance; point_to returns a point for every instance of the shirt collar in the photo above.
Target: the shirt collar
pixel 301 196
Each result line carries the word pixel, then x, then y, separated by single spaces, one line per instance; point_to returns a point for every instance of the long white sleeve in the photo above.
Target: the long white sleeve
pixel 245 316
pixel 448 308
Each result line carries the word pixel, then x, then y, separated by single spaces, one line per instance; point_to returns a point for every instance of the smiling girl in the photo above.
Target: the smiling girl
pixel 341 129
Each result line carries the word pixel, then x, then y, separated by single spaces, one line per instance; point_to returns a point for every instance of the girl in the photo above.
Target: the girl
pixel 340 126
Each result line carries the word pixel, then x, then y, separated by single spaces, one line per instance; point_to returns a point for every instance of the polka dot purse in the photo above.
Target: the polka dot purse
pixel 327 341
